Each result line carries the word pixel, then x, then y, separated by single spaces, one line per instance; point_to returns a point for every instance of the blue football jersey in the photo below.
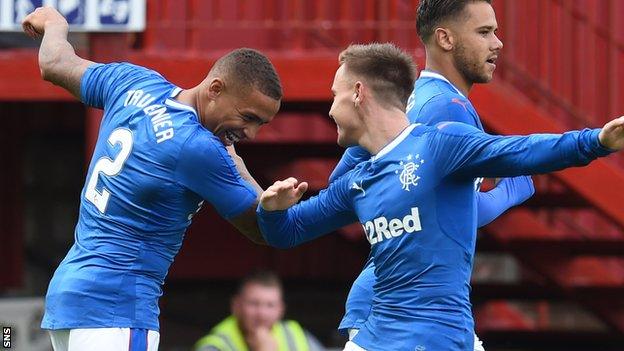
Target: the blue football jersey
pixel 415 200
pixel 433 100
pixel 153 166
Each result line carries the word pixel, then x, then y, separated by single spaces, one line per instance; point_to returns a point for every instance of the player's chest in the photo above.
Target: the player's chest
pixel 388 186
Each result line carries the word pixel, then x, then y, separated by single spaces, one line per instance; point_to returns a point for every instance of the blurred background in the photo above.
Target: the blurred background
pixel 548 275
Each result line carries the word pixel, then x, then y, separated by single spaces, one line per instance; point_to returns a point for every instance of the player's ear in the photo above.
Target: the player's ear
pixel 358 94
pixel 444 38
pixel 215 88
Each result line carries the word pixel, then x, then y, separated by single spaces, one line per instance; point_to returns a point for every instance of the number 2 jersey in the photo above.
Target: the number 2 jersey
pixel 153 166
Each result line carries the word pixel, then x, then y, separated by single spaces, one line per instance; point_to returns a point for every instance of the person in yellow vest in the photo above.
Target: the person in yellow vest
pixel 256 322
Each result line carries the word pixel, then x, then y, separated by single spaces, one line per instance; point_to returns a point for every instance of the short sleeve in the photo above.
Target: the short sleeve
pixel 103 83
pixel 205 167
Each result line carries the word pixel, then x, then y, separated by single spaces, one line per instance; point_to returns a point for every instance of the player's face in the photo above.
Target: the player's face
pixel 477 46
pixel 258 306
pixel 236 116
pixel 343 110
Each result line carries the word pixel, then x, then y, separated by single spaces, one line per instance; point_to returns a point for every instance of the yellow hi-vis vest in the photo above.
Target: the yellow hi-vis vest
pixel 226 336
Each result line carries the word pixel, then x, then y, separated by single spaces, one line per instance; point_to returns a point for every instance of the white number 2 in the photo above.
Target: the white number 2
pixel 109 167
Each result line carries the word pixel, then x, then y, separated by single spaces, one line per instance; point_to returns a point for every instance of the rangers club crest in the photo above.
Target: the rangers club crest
pixel 407 176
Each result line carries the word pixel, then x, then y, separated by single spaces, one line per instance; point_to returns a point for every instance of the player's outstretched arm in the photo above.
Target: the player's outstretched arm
pixel 58 61
pixel 283 194
pixel 612 134
pixel 465 151
pixel 285 223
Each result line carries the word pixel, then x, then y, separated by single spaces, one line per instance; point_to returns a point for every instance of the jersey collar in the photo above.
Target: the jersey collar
pixel 171 102
pixel 395 142
pixel 435 75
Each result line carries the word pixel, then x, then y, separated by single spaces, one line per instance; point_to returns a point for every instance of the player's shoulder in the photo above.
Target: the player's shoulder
pixel 450 99
pixel 353 172
pixel 123 66
pixel 449 106
pixel 438 91
pixel 455 128
pixel 201 138
pixel 448 128
pixel 200 142
pixel 123 72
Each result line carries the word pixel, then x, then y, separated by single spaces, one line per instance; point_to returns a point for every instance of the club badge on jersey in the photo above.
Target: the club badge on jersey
pixel 410 167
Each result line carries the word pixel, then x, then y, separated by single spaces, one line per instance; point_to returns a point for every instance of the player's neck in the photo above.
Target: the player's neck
pixel 381 128
pixel 190 97
pixel 447 70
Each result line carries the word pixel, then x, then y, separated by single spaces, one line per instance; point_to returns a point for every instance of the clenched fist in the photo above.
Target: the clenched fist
pixel 35 23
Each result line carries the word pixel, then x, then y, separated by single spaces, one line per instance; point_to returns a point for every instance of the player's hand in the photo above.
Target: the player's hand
pixel 35 23
pixel 283 194
pixel 612 134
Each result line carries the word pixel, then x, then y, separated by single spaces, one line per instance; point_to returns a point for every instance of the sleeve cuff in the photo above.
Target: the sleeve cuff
pixel 596 146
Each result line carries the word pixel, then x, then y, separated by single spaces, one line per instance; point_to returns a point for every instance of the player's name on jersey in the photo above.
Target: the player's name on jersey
pixel 380 228
pixel 82 15
pixel 159 115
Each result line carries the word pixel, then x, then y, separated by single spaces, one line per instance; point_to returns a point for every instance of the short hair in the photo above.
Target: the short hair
pixel 260 277
pixel 389 70
pixel 431 13
pixel 249 67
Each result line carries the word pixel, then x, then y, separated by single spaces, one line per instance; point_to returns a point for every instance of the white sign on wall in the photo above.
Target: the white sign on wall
pixel 82 15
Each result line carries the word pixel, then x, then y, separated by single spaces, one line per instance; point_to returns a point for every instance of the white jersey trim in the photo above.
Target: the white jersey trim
pixel 395 142
pixel 429 74
pixel 176 104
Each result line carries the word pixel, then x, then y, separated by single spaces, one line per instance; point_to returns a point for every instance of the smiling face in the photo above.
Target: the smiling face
pixel 477 47
pixel 343 109
pixel 235 114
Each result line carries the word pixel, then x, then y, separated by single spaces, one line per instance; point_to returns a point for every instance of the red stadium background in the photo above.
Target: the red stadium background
pixel 548 275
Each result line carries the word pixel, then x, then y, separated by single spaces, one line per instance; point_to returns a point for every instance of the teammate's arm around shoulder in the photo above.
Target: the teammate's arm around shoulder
pixel 58 61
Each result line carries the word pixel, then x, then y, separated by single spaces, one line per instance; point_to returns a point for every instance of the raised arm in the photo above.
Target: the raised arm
pixel 58 61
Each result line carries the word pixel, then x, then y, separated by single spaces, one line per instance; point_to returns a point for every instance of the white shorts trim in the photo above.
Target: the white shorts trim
pixel 478 344
pixel 352 333
pixel 351 346
pixel 99 339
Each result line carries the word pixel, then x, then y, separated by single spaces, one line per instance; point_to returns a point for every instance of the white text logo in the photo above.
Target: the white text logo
pixel 380 229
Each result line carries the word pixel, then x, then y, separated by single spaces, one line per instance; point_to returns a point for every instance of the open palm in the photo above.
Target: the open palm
pixel 283 194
